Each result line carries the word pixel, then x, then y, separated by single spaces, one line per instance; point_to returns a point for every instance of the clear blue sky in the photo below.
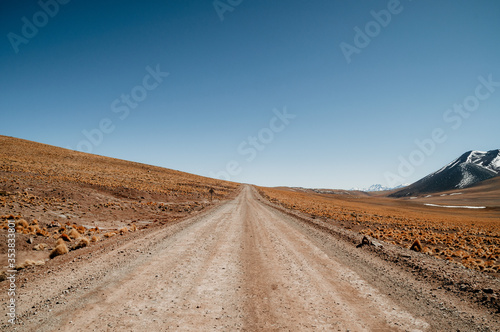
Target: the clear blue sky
pixel 227 79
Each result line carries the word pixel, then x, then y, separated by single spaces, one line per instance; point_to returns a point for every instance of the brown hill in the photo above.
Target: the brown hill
pixel 485 193
pixel 49 191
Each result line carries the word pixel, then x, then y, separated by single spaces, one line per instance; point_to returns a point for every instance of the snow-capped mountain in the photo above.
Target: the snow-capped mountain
pixel 378 187
pixel 470 168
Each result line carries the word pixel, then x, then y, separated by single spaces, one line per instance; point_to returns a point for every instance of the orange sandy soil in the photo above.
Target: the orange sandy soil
pixel 470 237
pixel 49 191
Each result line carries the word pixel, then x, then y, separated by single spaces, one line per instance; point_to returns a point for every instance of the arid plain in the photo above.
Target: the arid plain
pixel 108 244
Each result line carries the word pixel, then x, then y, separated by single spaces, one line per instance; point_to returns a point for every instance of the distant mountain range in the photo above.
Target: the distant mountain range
pixel 378 187
pixel 470 168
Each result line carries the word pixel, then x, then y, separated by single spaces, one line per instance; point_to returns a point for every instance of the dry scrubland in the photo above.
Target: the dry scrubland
pixel 63 200
pixel 468 237
pixel 83 218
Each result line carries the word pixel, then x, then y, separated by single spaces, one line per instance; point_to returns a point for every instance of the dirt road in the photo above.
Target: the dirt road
pixel 240 266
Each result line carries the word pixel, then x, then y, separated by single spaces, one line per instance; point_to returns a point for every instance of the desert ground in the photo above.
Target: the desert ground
pixel 468 237
pixel 243 265
pixel 154 249
pixel 50 191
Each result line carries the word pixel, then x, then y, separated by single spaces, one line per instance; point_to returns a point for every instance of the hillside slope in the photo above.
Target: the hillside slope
pixel 467 170
pixel 49 191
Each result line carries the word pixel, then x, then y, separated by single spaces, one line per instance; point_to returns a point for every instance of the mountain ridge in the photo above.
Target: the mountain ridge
pixel 467 170
pixel 378 187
